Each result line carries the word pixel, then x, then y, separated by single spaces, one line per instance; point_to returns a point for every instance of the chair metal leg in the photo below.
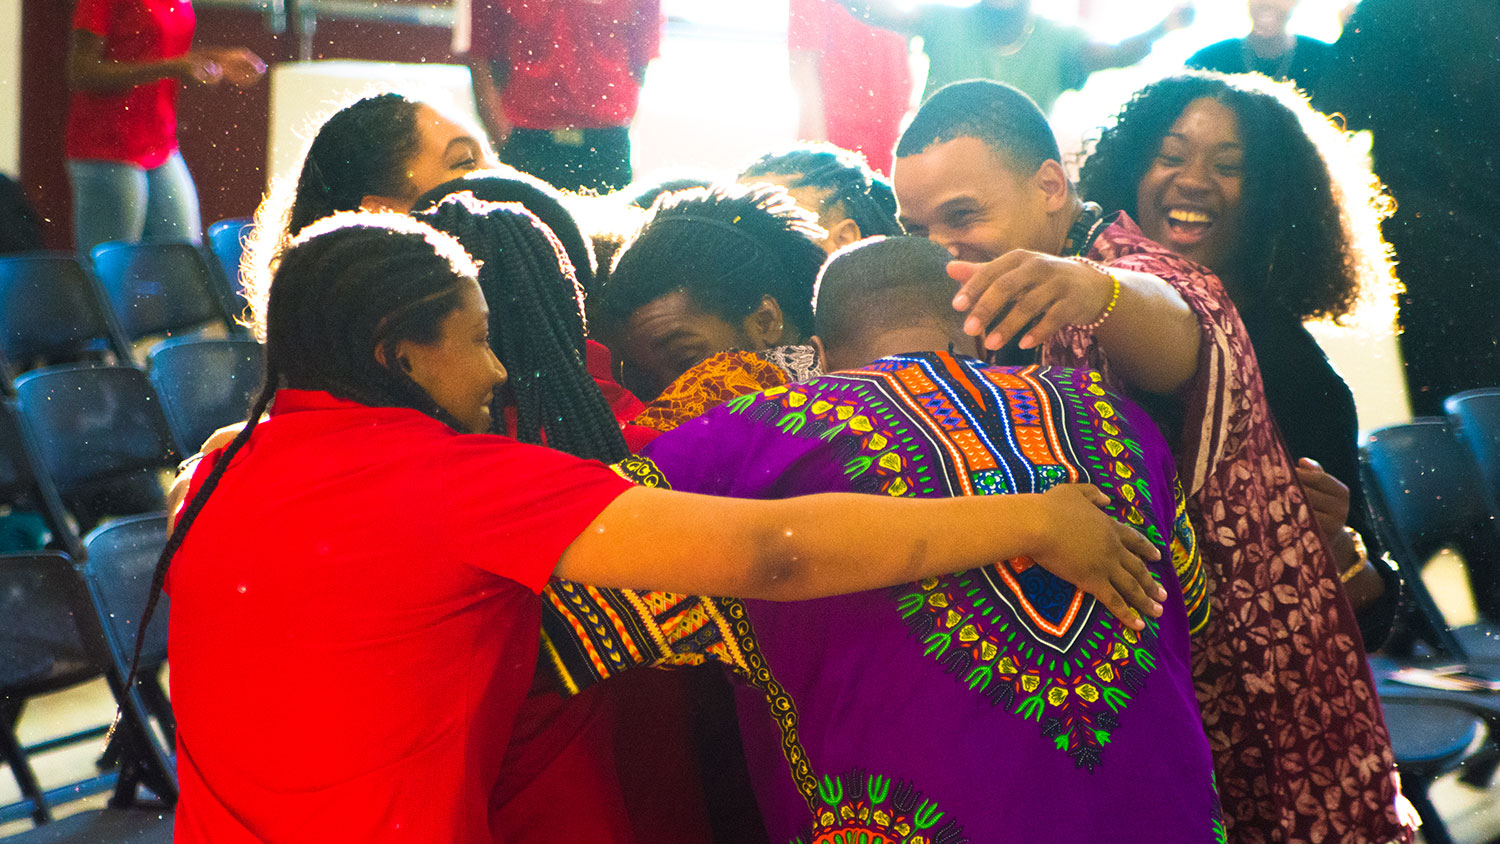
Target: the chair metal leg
pixel 1479 769
pixel 1434 831
pixel 20 767
pixel 109 759
pixel 160 706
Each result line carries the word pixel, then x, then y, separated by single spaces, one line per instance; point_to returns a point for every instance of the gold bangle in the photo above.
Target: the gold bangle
pixel 1114 293
pixel 1361 555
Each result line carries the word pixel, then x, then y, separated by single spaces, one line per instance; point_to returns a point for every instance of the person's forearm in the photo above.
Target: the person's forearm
pixel 1098 57
pixel 798 548
pixel 893 542
pixel 1152 337
pixel 107 77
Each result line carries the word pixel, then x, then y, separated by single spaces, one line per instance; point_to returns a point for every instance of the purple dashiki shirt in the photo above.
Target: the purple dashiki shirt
pixel 992 705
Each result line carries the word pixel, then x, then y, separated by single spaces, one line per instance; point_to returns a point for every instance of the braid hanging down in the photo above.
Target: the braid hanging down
pixel 350 284
pixel 536 326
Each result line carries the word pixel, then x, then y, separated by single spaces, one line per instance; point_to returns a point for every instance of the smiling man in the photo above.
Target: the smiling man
pixel 978 172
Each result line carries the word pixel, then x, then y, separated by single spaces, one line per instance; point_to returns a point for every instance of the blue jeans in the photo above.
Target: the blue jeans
pixel 116 201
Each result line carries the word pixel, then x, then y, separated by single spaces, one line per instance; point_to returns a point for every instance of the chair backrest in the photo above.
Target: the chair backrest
pixel 159 287
pixel 95 425
pixel 50 308
pixel 206 384
pixel 40 643
pixel 1474 416
pixel 120 558
pixel 1426 495
pixel 24 485
pixel 1428 485
pixel 226 239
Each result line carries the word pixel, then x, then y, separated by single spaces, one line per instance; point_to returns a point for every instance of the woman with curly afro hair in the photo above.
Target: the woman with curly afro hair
pixel 1241 175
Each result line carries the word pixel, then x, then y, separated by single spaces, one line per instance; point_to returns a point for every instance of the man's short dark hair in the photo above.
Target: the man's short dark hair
pixel 880 284
pixel 1003 117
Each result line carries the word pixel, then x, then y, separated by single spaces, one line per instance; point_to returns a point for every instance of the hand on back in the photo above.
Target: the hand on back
pixel 1080 543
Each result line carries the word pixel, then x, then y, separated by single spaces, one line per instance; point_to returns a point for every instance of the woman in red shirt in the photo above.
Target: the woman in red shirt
pixel 125 62
pixel 354 579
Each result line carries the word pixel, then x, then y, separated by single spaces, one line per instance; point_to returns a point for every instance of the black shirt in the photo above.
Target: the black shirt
pixel 1314 410
pixel 1304 65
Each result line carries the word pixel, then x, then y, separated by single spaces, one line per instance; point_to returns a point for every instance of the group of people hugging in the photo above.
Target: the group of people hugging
pixel 984 504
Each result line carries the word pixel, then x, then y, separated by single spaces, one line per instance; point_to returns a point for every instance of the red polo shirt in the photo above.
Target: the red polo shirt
pixel 572 64
pixel 354 623
pixel 138 125
pixel 865 73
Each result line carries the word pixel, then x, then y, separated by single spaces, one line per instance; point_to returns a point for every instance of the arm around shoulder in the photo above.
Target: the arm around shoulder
pixel 832 544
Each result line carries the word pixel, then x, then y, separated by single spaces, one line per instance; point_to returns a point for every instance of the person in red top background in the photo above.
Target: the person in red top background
pixel 126 61
pixel 853 80
pixel 557 82
pixel 355 615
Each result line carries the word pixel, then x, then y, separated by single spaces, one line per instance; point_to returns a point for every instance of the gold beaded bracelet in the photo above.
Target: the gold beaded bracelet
pixel 1361 555
pixel 1114 293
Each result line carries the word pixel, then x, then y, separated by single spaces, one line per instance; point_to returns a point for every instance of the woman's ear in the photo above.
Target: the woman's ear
pixel 765 326
pixel 401 353
pixel 841 234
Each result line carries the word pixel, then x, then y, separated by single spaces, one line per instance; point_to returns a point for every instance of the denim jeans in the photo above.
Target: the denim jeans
pixel 117 201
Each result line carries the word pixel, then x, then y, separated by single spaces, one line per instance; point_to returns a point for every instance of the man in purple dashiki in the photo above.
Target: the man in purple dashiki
pixel 992 705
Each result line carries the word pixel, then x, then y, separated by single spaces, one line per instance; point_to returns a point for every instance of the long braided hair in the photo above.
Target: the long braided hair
pixel 550 205
pixel 536 325
pixel 361 150
pixel 858 192
pixel 348 286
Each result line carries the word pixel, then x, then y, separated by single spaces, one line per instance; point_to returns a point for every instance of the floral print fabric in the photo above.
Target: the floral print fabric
pixel 1300 745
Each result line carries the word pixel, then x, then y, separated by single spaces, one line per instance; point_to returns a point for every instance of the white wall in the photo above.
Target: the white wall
pixel 10 87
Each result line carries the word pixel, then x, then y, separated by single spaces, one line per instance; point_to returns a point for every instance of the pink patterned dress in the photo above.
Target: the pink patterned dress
pixel 1300 745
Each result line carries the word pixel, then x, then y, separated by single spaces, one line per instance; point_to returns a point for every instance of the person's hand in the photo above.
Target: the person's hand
pixel 239 66
pixel 1085 546
pixel 198 66
pixel 179 489
pixel 1181 17
pixel 1326 495
pixel 1023 288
